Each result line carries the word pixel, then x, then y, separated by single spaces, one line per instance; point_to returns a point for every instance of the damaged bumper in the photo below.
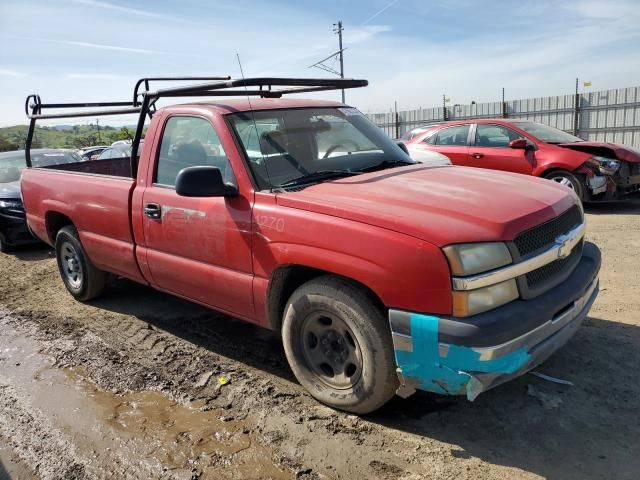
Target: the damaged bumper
pixel 615 186
pixel 467 357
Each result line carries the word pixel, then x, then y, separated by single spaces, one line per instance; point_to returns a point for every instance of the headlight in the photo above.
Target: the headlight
pixel 472 302
pixel 10 204
pixel 471 258
pixel 606 166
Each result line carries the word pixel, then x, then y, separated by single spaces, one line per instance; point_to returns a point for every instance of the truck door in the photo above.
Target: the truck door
pixel 197 248
pixel 490 149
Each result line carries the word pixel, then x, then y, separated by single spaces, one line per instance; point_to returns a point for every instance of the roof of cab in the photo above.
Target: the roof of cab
pixel 244 104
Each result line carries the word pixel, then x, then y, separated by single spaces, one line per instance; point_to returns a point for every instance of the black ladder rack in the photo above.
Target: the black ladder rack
pixel 143 101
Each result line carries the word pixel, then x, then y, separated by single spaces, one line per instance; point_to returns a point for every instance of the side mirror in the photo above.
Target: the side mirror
pixel 203 181
pixel 519 143
pixel 403 147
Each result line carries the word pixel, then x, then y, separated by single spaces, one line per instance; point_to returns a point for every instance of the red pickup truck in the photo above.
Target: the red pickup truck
pixel 383 275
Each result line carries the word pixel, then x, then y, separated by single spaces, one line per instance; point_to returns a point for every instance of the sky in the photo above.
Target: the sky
pixel 411 51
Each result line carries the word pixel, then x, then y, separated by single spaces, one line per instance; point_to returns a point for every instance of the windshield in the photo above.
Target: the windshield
pixel 285 145
pixel 12 163
pixel 546 133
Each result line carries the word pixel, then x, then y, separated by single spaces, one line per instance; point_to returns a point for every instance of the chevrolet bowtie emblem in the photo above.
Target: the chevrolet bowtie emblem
pixel 564 244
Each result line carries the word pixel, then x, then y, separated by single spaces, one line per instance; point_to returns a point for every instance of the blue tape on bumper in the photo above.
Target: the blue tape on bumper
pixel 453 374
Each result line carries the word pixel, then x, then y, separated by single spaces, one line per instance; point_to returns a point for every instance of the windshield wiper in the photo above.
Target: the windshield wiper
pixel 316 176
pixel 386 164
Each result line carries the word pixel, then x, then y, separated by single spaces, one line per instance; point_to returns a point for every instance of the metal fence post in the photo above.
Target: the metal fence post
pixel 576 111
pixel 504 105
pixel 444 108
pixel 397 120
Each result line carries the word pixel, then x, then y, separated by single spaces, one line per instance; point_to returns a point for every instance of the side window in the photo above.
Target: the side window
pixel 430 138
pixel 453 136
pixel 106 154
pixel 495 136
pixel 190 142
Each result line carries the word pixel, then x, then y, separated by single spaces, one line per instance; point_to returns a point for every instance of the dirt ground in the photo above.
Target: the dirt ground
pixel 142 385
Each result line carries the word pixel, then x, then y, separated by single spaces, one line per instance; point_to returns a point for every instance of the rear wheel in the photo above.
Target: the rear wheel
pixel 339 346
pixel 567 179
pixel 83 280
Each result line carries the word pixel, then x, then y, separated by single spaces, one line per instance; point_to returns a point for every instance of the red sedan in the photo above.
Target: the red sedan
pixel 595 171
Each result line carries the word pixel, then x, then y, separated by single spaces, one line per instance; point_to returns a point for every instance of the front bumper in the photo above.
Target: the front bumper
pixel 469 356
pixel 15 231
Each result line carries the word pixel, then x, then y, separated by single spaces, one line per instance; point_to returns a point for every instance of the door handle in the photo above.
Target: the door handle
pixel 153 210
pixel 477 155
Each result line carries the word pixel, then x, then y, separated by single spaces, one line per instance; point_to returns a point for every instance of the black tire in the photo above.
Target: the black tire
pixel 367 383
pixel 91 281
pixel 4 246
pixel 568 179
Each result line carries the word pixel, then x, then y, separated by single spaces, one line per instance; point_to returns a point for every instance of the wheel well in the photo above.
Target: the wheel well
pixel 554 169
pixel 286 279
pixel 54 222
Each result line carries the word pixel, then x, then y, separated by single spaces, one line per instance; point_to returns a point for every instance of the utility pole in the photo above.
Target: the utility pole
pixel 98 127
pixel 504 105
pixel 338 30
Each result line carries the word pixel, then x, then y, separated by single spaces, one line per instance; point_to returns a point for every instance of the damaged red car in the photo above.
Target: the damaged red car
pixel 596 171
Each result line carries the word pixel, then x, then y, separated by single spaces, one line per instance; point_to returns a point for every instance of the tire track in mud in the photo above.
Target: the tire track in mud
pixel 182 353
pixel 36 441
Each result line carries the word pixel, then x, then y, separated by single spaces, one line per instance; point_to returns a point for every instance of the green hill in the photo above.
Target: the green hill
pixel 13 138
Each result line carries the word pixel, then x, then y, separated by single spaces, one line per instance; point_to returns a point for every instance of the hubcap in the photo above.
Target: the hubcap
pixel 331 350
pixel 71 267
pixel 563 181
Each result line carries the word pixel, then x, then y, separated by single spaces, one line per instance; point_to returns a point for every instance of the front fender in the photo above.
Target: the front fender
pixel 403 271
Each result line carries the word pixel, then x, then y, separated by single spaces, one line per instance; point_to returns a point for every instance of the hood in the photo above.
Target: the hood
pixel 440 205
pixel 10 190
pixel 608 150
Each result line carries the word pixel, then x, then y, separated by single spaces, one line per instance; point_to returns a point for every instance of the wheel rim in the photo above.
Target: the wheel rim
pixel 331 350
pixel 563 181
pixel 71 266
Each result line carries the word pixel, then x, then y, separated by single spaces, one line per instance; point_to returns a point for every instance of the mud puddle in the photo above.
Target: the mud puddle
pixel 136 434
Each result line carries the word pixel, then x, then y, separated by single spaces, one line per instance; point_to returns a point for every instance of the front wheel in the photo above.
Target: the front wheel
pixel 81 277
pixel 339 345
pixel 567 179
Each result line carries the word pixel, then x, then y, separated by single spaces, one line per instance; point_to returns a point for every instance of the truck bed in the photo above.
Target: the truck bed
pixel 94 196
pixel 116 167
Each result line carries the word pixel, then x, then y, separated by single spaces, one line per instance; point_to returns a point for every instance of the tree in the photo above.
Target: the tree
pixel 6 145
pixel 125 134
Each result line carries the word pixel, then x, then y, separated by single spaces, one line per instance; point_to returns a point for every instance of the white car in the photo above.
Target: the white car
pixel 428 157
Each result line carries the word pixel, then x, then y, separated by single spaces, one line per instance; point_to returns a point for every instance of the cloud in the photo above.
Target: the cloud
pixel 5 72
pixel 93 76
pixel 94 45
pixel 130 11
pixel 389 5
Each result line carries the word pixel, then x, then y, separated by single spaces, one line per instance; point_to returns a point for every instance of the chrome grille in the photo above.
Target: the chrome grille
pixel 551 271
pixel 543 235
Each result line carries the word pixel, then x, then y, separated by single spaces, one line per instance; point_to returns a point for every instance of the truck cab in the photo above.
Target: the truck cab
pixel 383 275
